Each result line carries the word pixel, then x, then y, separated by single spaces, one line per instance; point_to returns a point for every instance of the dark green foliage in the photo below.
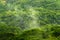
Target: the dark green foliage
pixel 9 32
pixel 7 36
pixel 56 31
pixel 2 8
pixel 33 34
pixel 18 17
pixel 46 16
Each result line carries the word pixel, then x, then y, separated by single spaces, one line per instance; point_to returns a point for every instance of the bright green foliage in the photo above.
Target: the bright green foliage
pixel 9 32
pixel 33 19
pixel 28 13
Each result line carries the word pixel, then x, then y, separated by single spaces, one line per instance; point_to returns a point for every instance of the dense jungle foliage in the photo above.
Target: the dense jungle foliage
pixel 29 19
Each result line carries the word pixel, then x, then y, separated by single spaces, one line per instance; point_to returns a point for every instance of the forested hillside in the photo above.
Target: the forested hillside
pixel 29 19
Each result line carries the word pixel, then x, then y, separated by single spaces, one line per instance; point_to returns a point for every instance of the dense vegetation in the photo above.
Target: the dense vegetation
pixel 29 19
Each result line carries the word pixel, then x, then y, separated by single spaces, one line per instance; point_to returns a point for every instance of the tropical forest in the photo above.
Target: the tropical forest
pixel 29 19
